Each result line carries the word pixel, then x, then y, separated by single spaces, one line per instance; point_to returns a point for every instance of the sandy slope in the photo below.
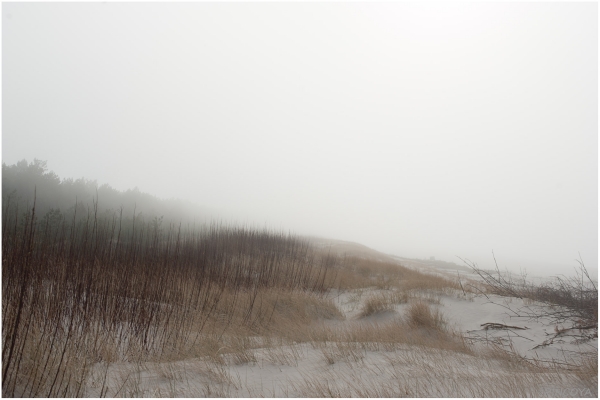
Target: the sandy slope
pixel 537 337
pixel 370 369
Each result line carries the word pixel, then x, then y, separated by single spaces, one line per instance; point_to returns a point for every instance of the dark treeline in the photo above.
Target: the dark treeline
pixel 58 198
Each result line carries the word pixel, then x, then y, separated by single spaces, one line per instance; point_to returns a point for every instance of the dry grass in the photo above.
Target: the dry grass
pixel 348 367
pixel 382 302
pixel 389 336
pixel 436 373
pixel 420 315
pixel 283 353
pixel 101 289
pixel 358 273
pixel 93 309
pixel 588 370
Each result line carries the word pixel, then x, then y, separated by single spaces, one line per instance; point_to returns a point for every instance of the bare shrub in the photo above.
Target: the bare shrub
pixel 571 299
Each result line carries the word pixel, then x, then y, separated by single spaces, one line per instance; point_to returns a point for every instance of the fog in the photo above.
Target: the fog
pixel 417 129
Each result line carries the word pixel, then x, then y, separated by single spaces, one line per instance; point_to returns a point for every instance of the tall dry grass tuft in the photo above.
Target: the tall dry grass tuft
pixel 420 315
pixel 382 302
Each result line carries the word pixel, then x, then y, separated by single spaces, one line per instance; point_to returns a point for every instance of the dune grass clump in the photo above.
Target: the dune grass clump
pixel 382 302
pixel 420 315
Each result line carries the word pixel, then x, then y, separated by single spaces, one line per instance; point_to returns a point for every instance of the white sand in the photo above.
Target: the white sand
pixel 300 370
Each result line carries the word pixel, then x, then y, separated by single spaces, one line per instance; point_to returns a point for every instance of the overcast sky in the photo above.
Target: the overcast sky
pixel 417 129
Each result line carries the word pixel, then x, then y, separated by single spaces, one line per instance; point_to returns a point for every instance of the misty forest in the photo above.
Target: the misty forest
pixel 118 294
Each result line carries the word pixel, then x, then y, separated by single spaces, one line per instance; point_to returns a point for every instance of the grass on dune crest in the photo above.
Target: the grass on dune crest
pixel 361 273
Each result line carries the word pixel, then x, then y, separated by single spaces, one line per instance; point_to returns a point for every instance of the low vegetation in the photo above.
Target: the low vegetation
pixel 383 302
pixel 79 293
pixel 420 315
pixel 99 304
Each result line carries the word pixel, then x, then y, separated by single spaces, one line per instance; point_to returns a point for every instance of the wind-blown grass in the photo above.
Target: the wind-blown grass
pixel 79 293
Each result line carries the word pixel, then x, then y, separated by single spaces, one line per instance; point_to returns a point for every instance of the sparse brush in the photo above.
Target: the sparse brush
pixel 102 289
pixel 573 299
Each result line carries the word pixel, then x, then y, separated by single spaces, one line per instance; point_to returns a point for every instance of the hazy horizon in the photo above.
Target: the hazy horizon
pixel 417 129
